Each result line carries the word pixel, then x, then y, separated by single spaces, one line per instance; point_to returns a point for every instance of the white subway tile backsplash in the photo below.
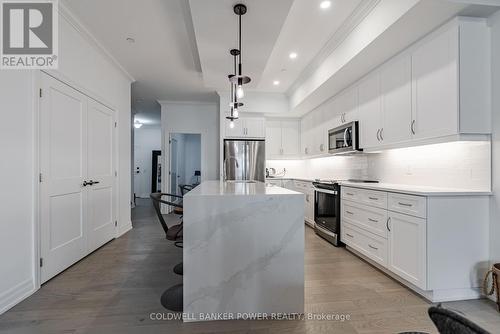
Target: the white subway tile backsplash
pixel 464 165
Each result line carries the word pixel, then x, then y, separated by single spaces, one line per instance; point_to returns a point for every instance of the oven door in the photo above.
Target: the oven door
pixel 327 209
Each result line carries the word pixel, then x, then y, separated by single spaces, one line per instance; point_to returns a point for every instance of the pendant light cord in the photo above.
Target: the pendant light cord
pixel 239 44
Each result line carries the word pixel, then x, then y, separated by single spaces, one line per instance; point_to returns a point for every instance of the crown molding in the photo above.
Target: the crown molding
pixel 356 17
pixel 70 17
pixel 162 102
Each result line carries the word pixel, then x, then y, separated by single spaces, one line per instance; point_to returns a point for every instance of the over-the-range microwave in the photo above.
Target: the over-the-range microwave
pixel 344 139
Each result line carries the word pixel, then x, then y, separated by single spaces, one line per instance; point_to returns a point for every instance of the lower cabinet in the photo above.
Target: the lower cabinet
pixel 395 240
pixel 407 248
pixel 307 189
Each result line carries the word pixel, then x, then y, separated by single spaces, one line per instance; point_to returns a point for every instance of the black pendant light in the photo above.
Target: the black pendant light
pixel 239 79
pixel 234 104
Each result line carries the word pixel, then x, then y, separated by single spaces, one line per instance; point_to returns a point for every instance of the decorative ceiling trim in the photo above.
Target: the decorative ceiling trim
pixel 356 17
pixel 71 18
pixel 163 102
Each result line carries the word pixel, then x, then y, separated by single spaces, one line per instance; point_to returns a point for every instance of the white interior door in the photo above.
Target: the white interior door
pixel 100 162
pixel 63 152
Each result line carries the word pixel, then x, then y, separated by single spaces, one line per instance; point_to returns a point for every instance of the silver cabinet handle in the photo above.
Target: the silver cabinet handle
pixel 349 235
pixel 405 204
pixel 387 224
pixel 350 194
pixel 372 247
pixel 345 137
pixel 373 198
pixel 381 134
pixel 373 220
pixel 85 183
pixel 349 212
pixel 412 127
pixel 378 133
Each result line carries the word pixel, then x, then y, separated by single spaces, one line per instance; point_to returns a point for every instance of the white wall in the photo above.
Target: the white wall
pixel 85 68
pixel 194 118
pixel 495 199
pixel 16 192
pixel 146 139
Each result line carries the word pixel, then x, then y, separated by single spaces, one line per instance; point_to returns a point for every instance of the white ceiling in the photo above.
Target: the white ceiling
pixel 181 46
pixel 163 59
pixel 215 26
pixel 306 31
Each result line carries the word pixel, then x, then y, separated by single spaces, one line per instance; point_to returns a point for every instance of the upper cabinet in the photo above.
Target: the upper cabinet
pixel 438 88
pixel 436 85
pixel 282 139
pixel 246 127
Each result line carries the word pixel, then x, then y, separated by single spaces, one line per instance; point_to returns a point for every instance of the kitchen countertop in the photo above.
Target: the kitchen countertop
pixel 220 188
pixel 403 188
pixel 416 190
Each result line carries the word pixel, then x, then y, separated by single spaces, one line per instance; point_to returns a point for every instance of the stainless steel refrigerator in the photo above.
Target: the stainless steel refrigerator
pixel 244 160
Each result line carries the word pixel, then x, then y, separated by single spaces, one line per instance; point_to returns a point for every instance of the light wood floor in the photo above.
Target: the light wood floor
pixel 115 289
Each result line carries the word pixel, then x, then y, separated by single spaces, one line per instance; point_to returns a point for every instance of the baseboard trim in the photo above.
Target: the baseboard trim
pixel 124 229
pixel 16 294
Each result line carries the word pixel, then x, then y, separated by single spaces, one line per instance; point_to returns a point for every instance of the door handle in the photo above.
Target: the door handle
pixel 85 183
pixel 345 137
pixel 378 132
pixel 372 247
pixel 349 235
pixel 381 134
pixel 387 224
pixel 405 204
pixel 412 126
pixel 372 220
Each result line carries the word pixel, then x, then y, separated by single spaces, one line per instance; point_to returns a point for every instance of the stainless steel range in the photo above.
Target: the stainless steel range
pixel 327 209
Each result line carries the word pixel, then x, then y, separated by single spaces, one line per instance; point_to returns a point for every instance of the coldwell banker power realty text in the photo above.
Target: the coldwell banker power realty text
pixel 29 34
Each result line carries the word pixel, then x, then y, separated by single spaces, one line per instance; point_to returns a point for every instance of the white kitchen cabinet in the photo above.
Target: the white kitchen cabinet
pixel 306 134
pixel 307 189
pixel 290 137
pixel 370 111
pixel 435 86
pixel 319 133
pixel 275 182
pixel 407 248
pixel 395 83
pixel 246 127
pixel 273 138
pixel 347 104
pixel 282 139
pixel 419 239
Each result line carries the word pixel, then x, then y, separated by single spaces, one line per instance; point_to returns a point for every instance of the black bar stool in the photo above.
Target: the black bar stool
pixel 172 298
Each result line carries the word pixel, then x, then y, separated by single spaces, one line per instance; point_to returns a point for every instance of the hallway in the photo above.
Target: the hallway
pixel 115 289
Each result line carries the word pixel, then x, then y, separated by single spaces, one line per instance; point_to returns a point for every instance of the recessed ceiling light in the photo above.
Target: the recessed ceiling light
pixel 130 40
pixel 325 4
pixel 276 82
pixel 292 55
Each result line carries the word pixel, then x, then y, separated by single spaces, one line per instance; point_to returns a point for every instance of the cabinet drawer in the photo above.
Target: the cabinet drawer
pixel 368 244
pixel 365 196
pixel 372 219
pixel 408 204
pixel 352 194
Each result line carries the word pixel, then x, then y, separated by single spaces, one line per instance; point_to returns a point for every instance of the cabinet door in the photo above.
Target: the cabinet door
pixel 306 134
pixel 370 111
pixel 395 82
pixel 273 138
pixel 407 248
pixel 255 127
pixel 290 137
pixel 237 131
pixel 319 133
pixel 435 86
pixel 347 104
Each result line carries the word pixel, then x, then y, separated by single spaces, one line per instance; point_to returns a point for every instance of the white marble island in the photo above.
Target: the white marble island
pixel 243 250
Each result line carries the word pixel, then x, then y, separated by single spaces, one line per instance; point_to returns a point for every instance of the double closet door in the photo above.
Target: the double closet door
pixel 77 176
